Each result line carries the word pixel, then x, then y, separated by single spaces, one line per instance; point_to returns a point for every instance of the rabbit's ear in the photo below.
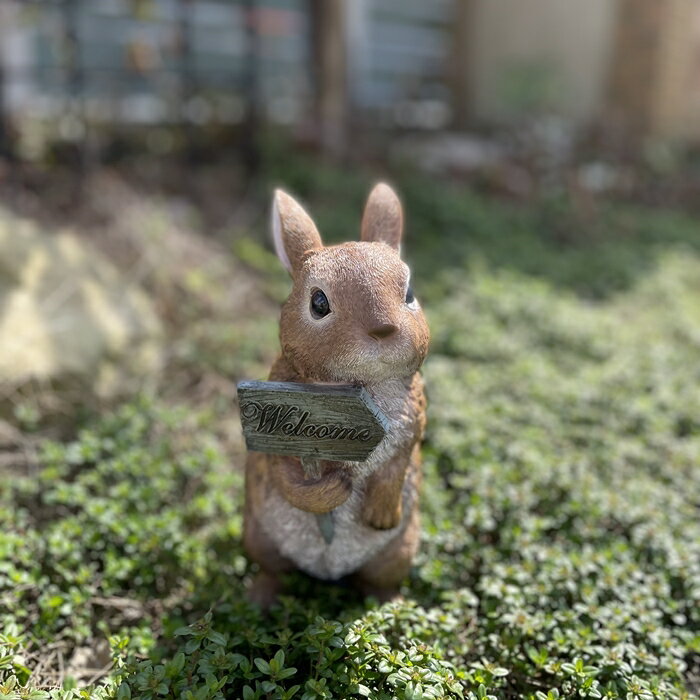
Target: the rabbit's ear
pixel 293 231
pixel 383 217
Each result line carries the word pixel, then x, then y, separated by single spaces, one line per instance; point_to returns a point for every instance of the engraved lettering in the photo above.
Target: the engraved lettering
pixel 347 434
pixel 272 419
pixel 250 410
pixel 302 420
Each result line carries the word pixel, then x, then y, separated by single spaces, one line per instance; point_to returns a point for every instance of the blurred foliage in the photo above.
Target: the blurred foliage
pixel 594 247
pixel 561 543
pixel 527 88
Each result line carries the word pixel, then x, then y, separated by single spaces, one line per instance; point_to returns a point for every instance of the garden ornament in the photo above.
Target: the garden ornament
pixel 333 468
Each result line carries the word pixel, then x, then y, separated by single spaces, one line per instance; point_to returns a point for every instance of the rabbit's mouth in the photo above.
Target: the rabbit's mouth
pixel 392 361
pixel 376 363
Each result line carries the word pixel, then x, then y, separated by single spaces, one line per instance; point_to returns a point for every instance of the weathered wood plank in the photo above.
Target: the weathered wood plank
pixel 321 421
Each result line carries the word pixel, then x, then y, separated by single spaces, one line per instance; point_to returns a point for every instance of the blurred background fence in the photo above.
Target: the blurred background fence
pixel 80 74
pixel 71 68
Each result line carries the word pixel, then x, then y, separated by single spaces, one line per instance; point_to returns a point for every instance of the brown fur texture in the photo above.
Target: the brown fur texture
pixel 383 218
pixel 376 337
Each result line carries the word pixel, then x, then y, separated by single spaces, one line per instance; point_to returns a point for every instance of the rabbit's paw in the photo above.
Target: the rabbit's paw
pixel 376 514
pixel 320 495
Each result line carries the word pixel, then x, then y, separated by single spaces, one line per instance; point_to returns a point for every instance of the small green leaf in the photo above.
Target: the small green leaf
pixel 217 638
pixel 262 665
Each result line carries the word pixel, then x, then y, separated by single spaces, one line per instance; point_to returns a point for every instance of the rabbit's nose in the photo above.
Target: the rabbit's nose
pixel 383 331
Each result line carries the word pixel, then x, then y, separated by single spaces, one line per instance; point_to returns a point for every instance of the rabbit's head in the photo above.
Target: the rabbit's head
pixel 351 316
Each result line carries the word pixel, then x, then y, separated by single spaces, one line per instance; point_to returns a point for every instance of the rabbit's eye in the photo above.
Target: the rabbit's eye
pixel 319 304
pixel 409 296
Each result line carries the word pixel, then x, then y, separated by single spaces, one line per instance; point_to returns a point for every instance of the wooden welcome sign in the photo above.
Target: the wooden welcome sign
pixel 312 421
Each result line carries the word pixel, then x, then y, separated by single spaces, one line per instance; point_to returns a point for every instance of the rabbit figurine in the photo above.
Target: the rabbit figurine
pixel 351 318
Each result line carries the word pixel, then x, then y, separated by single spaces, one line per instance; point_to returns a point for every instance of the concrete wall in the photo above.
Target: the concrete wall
pixel 540 55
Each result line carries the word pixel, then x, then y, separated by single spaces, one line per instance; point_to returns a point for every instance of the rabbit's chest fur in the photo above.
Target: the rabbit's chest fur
pixel 296 532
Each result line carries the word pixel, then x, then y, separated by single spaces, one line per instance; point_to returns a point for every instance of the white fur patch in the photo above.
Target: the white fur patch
pixel 277 234
pixel 296 532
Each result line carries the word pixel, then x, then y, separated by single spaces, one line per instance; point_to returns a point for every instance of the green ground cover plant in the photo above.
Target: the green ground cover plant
pixel 561 508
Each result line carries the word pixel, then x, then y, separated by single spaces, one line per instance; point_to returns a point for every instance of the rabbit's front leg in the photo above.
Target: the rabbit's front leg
pixel 383 492
pixel 315 495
